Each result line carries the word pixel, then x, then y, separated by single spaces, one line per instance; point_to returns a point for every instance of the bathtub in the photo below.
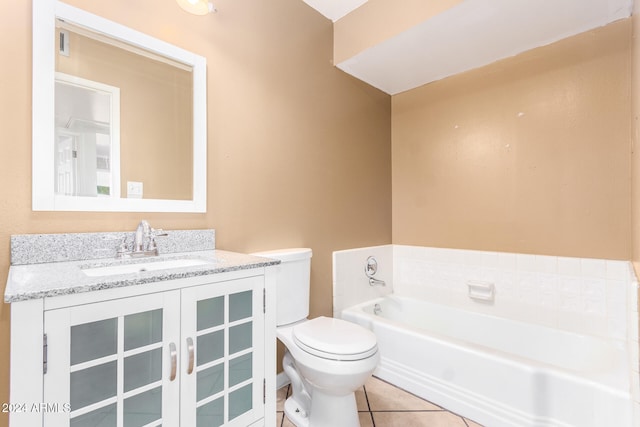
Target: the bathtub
pixel 495 371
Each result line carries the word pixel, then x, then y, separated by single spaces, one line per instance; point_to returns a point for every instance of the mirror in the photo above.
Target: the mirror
pixel 119 117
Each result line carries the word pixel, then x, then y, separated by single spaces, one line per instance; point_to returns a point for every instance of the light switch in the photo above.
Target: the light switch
pixel 134 190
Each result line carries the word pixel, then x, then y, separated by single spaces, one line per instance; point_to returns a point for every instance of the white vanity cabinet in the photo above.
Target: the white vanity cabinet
pixel 190 352
pixel 112 361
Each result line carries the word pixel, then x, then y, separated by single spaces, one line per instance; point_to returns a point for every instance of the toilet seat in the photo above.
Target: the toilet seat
pixel 334 339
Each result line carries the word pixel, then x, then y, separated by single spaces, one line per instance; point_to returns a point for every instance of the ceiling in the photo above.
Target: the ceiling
pixel 469 35
pixel 335 9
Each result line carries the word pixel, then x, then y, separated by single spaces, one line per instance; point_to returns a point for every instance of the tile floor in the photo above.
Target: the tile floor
pixel 380 404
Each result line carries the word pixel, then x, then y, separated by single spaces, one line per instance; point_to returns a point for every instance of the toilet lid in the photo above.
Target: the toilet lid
pixel 335 339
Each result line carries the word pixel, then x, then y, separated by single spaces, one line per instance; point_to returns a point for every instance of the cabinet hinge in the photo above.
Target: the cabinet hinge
pixel 264 390
pixel 264 300
pixel 44 353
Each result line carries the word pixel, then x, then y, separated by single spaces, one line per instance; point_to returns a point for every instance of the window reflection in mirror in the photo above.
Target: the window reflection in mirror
pixel 152 144
pixel 87 138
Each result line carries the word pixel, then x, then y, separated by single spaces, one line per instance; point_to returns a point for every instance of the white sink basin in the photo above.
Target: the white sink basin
pixel 143 266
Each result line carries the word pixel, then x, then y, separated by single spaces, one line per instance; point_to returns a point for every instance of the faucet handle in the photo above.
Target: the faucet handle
pixel 158 232
pixel 154 232
pixel 123 248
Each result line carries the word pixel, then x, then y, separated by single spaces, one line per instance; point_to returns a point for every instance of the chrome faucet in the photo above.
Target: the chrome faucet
pixel 144 242
pixel 142 238
pixel 370 269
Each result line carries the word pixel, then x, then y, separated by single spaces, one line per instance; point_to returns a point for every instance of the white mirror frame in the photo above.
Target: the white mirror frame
pixel 44 198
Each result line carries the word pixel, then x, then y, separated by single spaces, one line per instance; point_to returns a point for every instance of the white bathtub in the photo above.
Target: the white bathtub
pixel 496 371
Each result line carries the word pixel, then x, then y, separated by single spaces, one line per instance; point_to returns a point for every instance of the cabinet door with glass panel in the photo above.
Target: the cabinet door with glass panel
pixel 114 363
pixel 223 354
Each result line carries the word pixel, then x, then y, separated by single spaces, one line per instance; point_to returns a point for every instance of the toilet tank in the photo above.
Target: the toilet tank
pixel 292 284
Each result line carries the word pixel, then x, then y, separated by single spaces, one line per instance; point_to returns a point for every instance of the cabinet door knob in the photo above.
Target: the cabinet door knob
pixel 190 350
pixel 173 353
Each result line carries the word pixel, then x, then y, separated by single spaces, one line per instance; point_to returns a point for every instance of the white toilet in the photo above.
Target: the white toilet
pixel 327 359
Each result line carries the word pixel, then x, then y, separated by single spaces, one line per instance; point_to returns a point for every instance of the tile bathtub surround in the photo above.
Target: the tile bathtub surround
pixel 41 248
pixel 587 296
pixel 351 285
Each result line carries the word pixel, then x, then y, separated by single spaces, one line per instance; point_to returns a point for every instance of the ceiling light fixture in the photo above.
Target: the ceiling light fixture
pixel 197 7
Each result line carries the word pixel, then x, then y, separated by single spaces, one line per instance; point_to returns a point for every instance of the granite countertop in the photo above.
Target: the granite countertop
pixel 32 281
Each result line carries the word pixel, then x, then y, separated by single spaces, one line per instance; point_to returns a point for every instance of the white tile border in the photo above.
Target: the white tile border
pixel 579 294
pixel 582 295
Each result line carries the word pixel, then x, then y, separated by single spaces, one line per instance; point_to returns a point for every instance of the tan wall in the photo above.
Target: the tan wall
pixel 635 141
pixel 635 137
pixel 156 121
pixel 530 154
pixel 298 151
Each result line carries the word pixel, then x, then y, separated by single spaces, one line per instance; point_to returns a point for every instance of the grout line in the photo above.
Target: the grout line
pixel 408 392
pixel 426 410
pixel 371 411
pixel 285 398
pixel 366 398
pixel 373 421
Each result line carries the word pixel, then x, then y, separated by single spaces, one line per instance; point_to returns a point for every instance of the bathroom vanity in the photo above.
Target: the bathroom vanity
pixel 181 339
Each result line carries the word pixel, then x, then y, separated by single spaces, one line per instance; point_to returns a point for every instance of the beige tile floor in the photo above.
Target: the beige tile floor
pixel 380 404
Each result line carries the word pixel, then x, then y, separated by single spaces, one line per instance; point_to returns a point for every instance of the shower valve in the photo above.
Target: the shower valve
pixel 371 267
